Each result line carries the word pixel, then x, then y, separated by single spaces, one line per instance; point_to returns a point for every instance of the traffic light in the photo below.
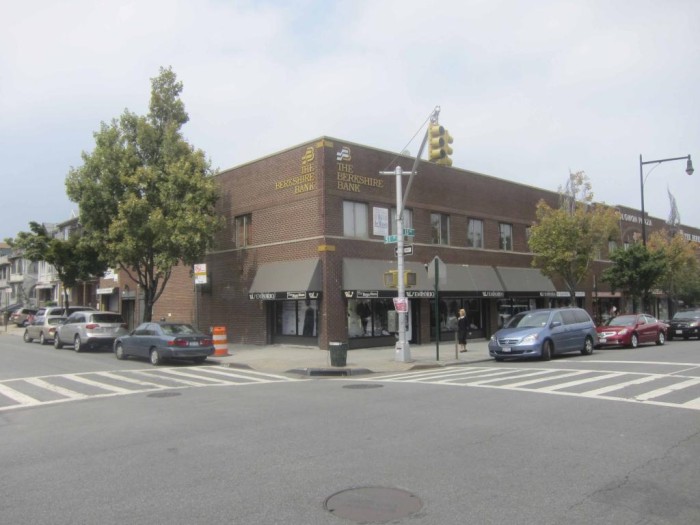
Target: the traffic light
pixel 439 140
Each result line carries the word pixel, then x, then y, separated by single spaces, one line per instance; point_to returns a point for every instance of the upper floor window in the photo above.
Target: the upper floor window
pixel 355 219
pixel 506 236
pixel 244 228
pixel 612 247
pixel 407 220
pixel 475 233
pixel 440 228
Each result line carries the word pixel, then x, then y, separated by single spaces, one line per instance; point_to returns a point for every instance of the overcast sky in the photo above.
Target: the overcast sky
pixel 529 90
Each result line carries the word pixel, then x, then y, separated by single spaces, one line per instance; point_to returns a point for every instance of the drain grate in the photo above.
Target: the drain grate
pixel 373 504
pixel 164 394
pixel 362 385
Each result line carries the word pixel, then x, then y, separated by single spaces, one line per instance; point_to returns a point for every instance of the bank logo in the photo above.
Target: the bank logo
pixel 308 156
pixel 343 155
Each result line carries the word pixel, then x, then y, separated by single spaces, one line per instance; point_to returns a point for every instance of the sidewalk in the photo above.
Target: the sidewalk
pixel 311 361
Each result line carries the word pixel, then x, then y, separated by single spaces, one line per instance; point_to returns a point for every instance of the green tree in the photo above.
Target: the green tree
pixel 681 278
pixel 146 196
pixel 73 260
pixel 636 271
pixel 566 240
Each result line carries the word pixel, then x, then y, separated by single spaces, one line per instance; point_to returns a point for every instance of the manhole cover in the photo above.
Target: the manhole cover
pixel 164 394
pixel 363 385
pixel 373 504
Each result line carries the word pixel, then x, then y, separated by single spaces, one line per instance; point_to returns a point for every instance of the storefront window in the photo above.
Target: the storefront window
pixel 449 313
pixel 368 317
pixel 296 318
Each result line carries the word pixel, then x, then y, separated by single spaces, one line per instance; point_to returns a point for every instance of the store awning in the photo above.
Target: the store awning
pixel 524 281
pixel 364 278
pixel 287 280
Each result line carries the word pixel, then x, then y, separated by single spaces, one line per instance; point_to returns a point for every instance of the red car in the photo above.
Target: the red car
pixel 632 330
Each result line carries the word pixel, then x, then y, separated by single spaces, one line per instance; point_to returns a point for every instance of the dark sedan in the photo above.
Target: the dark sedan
pixel 160 342
pixel 685 325
pixel 632 330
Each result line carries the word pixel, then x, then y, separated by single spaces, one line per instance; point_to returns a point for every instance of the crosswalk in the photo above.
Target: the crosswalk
pixel 61 388
pixel 671 390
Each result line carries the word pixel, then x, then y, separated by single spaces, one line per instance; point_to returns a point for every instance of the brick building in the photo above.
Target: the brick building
pixel 302 256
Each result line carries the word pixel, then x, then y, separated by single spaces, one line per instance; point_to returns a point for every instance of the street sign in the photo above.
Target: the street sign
pixel 390 239
pixel 401 304
pixel 410 232
pixel 407 250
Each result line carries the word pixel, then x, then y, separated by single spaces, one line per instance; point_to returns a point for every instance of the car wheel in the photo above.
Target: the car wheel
pixel 661 339
pixel 547 350
pixel 587 347
pixel 57 344
pixel 26 337
pixel 155 357
pixel 119 352
pixel 77 344
pixel 42 339
pixel 634 341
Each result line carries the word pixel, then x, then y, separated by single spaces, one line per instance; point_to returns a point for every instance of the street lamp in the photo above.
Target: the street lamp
pixel 689 170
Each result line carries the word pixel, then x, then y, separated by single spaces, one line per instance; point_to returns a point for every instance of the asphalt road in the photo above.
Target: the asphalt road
pixel 267 452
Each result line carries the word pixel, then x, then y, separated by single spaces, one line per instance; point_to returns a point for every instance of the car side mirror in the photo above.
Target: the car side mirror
pixel 555 324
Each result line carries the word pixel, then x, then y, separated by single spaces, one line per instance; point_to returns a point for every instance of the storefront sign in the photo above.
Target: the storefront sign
pixel 283 296
pixel 492 294
pixel 348 180
pixel 428 294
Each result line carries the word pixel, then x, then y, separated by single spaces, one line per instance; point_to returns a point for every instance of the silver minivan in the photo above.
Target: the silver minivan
pixel 544 333
pixel 86 329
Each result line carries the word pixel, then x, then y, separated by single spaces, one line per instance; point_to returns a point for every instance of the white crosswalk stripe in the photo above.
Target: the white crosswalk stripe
pixel 45 390
pixel 670 390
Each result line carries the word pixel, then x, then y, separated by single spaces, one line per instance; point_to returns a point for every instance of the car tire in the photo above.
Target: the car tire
pixel 547 350
pixel 77 344
pixel 587 347
pixel 42 339
pixel 57 344
pixel 634 341
pixel 119 352
pixel 661 339
pixel 26 337
pixel 156 360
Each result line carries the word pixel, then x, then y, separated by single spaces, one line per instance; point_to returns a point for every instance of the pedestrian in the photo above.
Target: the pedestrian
pixel 462 330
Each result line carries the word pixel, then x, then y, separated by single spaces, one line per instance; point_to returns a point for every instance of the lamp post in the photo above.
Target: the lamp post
pixel 689 170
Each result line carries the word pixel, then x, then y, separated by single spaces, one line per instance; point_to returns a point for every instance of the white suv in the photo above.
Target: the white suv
pixel 90 329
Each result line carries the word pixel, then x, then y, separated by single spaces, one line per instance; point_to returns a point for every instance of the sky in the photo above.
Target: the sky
pixel 530 91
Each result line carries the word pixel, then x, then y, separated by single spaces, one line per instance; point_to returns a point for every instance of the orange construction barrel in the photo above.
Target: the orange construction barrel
pixel 220 341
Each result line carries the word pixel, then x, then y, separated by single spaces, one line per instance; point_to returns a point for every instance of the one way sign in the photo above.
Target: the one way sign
pixel 407 250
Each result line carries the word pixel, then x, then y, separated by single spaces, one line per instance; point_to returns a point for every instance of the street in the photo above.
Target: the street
pixel 612 438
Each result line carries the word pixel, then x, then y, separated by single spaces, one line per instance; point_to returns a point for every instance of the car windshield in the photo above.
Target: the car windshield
pixel 177 329
pixel 55 320
pixel 107 318
pixel 687 315
pixel 623 320
pixel 529 320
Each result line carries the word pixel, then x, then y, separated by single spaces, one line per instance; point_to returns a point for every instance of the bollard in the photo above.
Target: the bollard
pixel 220 341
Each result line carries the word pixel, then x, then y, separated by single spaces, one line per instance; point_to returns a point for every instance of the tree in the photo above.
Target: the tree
pixel 565 240
pixel 146 196
pixel 636 271
pixel 73 260
pixel 681 277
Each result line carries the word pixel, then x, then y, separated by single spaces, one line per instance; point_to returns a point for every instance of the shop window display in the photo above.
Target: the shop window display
pixel 449 313
pixel 297 318
pixel 368 317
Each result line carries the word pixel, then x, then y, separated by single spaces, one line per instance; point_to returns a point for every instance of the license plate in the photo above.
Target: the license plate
pixel 602 340
pixel 679 332
pixel 506 349
pixel 194 343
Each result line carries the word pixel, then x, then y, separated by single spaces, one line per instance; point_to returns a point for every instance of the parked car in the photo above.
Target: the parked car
pixel 43 329
pixel 162 341
pixel 89 329
pixel 685 324
pixel 21 316
pixel 632 330
pixel 61 311
pixel 544 333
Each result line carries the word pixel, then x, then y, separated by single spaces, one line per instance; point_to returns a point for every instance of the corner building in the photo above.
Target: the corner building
pixel 302 255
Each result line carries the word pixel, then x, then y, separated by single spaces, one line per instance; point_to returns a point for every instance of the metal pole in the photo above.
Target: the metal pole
pixel 437 311
pixel 402 351
pixel 641 187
